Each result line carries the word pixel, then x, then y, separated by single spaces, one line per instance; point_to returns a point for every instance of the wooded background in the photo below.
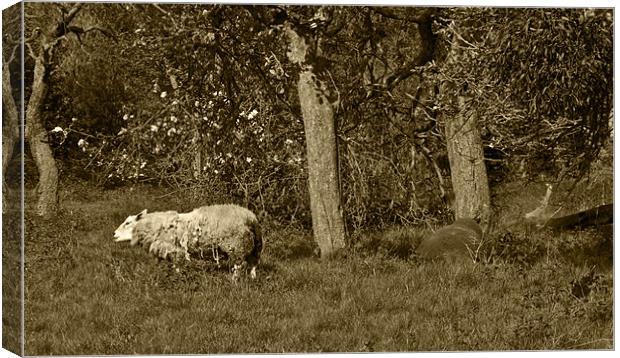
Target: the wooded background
pixel 344 117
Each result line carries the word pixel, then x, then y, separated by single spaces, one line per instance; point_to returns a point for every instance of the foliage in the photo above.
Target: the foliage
pixel 389 243
pixel 213 110
pixel 200 98
pixel 390 146
pixel 540 80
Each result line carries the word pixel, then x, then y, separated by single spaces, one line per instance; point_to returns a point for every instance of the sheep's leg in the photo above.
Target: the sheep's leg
pixel 253 272
pixel 216 255
pixel 236 270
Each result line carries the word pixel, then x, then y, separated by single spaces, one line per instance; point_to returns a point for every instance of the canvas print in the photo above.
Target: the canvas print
pixel 223 178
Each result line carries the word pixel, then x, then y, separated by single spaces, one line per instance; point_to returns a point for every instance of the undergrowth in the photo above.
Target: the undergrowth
pixel 11 289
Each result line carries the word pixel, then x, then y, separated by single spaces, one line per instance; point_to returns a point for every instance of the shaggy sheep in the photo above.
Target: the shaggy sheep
pixel 460 239
pixel 229 228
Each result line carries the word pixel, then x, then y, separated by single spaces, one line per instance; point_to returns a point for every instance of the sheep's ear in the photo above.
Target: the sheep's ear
pixel 140 215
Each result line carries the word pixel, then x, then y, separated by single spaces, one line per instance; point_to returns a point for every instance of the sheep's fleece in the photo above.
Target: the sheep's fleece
pixel 231 228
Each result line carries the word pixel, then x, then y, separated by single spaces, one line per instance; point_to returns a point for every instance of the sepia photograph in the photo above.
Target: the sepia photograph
pixel 244 178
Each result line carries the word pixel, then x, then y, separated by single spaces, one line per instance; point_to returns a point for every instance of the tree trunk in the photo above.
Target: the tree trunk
pixel 467 168
pixel 10 130
pixel 12 215
pixel 322 154
pixel 36 135
pixel 323 175
pixel 465 152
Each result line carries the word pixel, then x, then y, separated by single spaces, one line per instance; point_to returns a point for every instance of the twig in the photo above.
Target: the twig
pixel 337 91
pixel 31 51
pixel 427 153
pixel 103 30
pixel 167 14
pixel 12 57
pixel 85 134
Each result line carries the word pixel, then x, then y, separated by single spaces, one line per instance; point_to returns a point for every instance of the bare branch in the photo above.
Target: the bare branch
pixel 12 57
pixel 63 25
pixel 423 56
pixel 28 15
pixel 414 15
pixel 335 25
pixel 79 31
pixel 167 14
pixel 103 30
pixel 387 12
pixel 36 32
pixel 73 12
pixel 31 51
pixel 429 157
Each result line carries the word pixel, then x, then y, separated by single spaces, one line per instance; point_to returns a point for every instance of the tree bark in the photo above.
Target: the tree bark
pixel 10 130
pixel 322 154
pixel 12 215
pixel 36 135
pixel 323 175
pixel 465 152
pixel 467 169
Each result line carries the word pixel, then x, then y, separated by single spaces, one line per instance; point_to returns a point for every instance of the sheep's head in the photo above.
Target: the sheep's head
pixel 125 231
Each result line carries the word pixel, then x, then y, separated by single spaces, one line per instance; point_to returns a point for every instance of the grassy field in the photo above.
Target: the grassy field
pixel 11 267
pixel 86 294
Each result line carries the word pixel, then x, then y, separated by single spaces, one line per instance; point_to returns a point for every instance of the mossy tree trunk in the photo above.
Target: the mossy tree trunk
pixel 36 135
pixel 12 216
pixel 41 46
pixel 465 151
pixel 10 127
pixel 322 152
pixel 467 167
pixel 11 65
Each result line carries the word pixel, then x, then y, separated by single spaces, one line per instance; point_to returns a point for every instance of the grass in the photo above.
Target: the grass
pixel 11 289
pixel 86 294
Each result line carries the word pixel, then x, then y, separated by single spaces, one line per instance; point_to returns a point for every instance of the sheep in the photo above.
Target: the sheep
pixel 205 230
pixel 460 239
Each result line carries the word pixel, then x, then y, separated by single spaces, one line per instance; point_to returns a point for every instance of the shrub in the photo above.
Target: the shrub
pixel 392 242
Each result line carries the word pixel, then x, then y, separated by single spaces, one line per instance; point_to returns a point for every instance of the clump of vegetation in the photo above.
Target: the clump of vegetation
pixel 289 243
pixel 392 242
pixel 517 248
